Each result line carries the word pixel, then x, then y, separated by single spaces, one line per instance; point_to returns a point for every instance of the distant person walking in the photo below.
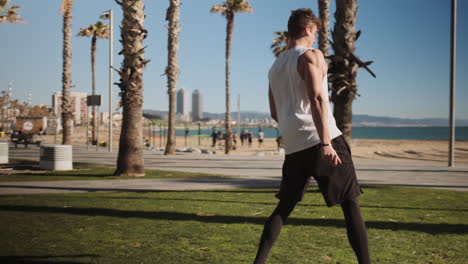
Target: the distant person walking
pixel 279 142
pixel 186 135
pixel 261 136
pixel 214 136
pixel 234 141
pixel 242 137
pixel 249 138
pixel 314 146
pixel 219 136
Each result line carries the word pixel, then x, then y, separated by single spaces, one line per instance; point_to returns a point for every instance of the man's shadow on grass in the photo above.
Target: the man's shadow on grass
pixel 434 229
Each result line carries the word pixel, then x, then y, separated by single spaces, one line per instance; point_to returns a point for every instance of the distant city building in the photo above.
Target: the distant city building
pixel 104 118
pixel 79 106
pixel 183 111
pixel 197 105
pixel 182 101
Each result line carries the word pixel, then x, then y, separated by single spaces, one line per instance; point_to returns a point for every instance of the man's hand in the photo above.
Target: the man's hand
pixel 329 154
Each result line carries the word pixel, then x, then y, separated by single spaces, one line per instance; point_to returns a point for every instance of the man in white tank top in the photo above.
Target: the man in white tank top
pixel 314 146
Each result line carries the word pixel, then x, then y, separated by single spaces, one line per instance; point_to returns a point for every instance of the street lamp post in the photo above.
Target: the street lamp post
pixel 199 134
pixel 10 94
pixel 238 116
pixel 110 15
pixel 29 98
pixel 453 49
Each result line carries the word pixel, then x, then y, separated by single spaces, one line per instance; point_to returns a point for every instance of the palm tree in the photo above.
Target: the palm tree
pixel 3 4
pixel 324 13
pixel 172 70
pixel 18 108
pixel 11 15
pixel 344 64
pixel 98 30
pixel 38 111
pixel 280 43
pixel 4 100
pixel 67 114
pixel 228 9
pixel 130 157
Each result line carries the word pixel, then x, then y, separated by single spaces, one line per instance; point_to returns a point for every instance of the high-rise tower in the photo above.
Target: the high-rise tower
pixel 183 102
pixel 197 105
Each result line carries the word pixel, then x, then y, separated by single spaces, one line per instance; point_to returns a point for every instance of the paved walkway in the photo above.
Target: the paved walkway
pixel 253 171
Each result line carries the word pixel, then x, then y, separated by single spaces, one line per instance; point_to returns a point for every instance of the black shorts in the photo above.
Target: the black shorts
pixel 336 184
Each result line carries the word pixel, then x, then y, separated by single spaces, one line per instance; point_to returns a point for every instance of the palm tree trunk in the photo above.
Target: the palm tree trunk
pixel 229 29
pixel 324 13
pixel 172 70
pixel 344 36
pixel 93 69
pixel 67 114
pixel 343 113
pixel 130 158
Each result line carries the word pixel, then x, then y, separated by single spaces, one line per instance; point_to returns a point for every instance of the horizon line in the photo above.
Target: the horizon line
pixel 264 112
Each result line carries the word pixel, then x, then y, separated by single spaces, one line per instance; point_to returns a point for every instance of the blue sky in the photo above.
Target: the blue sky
pixel 409 41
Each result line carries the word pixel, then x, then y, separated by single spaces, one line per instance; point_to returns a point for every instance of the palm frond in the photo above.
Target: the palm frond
pixel 12 16
pixel 219 9
pixel 231 7
pixel 3 4
pixel 100 30
pixel 241 6
pixel 280 43
pixel 278 50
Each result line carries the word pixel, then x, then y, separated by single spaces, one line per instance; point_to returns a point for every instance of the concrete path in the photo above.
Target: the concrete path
pixel 254 171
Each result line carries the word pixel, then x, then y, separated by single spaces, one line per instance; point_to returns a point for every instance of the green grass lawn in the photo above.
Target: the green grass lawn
pixel 405 225
pixel 88 172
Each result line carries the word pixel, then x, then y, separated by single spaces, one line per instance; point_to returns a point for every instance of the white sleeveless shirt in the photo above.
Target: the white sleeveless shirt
pixel 293 105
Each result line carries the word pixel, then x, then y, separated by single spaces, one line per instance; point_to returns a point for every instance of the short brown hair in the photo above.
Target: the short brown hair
pixel 299 20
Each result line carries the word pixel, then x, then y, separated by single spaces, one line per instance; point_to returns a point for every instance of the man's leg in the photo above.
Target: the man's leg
pixel 272 229
pixel 356 230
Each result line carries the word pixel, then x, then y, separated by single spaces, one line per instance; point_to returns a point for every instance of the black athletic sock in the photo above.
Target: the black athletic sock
pixel 272 229
pixel 356 230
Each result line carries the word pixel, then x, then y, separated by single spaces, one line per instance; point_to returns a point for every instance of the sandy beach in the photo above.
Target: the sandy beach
pixel 381 149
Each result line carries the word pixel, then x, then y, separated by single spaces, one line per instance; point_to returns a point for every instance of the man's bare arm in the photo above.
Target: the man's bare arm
pixel 311 68
pixel 271 100
pixel 312 75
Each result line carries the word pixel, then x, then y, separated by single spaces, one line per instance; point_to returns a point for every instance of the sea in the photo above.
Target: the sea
pixel 422 133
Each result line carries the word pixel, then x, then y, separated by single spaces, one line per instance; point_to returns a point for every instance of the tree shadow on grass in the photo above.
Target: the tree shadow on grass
pixel 273 191
pixel 430 228
pixel 242 191
pixel 79 170
pixel 65 175
pixel 201 182
pixel 276 201
pixel 415 170
pixel 46 259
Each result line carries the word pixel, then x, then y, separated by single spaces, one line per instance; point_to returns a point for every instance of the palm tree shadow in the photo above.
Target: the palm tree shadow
pixel 430 228
pixel 98 175
pixel 79 170
pixel 45 259
pixel 275 202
